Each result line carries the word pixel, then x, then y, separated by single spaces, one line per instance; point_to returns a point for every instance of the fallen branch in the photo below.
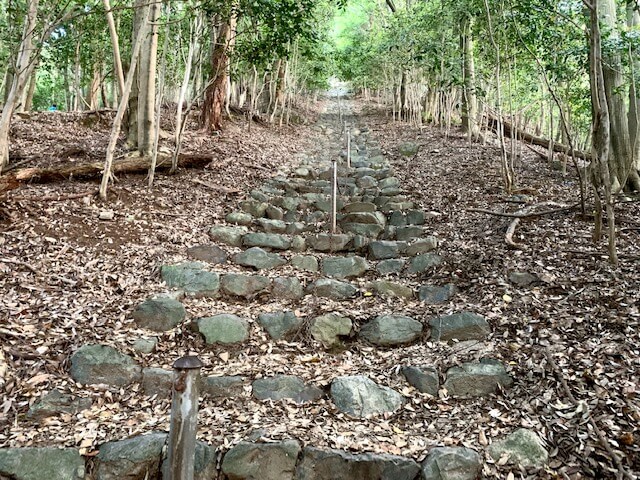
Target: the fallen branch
pixel 622 472
pixel 523 214
pixel 534 140
pixel 94 169
pixel 508 237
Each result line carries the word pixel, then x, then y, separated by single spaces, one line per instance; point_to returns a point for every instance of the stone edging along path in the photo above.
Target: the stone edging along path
pixel 285 223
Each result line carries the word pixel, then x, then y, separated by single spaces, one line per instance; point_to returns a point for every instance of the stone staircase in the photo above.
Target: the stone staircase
pixel 276 247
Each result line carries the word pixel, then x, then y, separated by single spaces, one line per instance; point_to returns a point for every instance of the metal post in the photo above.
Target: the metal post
pixel 184 418
pixel 349 148
pixel 334 198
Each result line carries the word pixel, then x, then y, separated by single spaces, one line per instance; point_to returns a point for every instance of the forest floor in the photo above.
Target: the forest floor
pixel 68 278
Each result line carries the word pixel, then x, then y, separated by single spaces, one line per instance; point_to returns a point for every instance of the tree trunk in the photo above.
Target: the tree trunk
pixel 469 98
pixel 94 86
pixel 24 67
pixel 216 93
pixel 621 167
pixel 147 84
pixel 117 121
pixel 633 21
pixel 601 127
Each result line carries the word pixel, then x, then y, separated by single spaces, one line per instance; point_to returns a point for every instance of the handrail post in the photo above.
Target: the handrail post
pixel 334 198
pixel 348 147
pixel 184 418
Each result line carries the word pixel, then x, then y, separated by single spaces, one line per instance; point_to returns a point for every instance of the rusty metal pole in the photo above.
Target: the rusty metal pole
pixel 334 198
pixel 184 418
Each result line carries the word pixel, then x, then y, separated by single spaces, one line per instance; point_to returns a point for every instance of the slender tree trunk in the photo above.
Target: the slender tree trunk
pixel 115 44
pixel 600 174
pixel 76 88
pixel 24 67
pixel 94 86
pixel 633 21
pixel 193 31
pixel 28 98
pixel 280 88
pixel 158 104
pixel 469 98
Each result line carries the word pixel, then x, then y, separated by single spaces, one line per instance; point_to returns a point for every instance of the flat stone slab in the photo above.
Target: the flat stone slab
pixel 360 396
pixel 231 386
pixel 207 253
pixel 41 463
pixel 392 266
pixel 452 463
pixel 460 326
pixel 56 403
pixel 255 208
pixel 290 387
pixel 327 329
pixel 280 325
pixel 318 464
pixel 344 267
pixel 157 381
pixel 360 207
pixel 391 289
pixel 391 330
pixel 130 458
pixel 246 286
pixel 385 249
pixel 424 245
pixel 272 226
pixel 228 235
pixel 477 379
pixel 435 294
pixel 424 380
pixel 521 447
pixel 287 288
pixel 364 229
pixel 224 329
pixel 159 314
pixel 368 218
pixel 333 289
pixel 93 364
pixel 307 263
pixel 239 218
pixel 423 262
pixel 267 240
pixel 324 242
pixel 264 461
pixel 191 278
pixel 259 259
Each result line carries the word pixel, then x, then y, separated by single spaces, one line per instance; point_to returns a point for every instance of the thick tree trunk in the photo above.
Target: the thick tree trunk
pixel 147 84
pixel 216 93
pixel 621 164
pixel 469 97
pixel 93 94
pixel 24 67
